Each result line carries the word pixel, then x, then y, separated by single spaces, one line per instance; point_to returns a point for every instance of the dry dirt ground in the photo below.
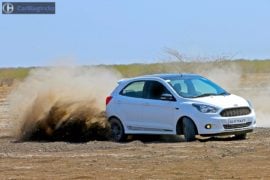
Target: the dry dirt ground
pixel 155 158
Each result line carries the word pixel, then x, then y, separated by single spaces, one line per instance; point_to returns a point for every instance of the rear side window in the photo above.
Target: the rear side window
pixel 134 89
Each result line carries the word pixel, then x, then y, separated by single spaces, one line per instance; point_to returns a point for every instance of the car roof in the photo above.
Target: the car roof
pixel 165 76
pixel 162 76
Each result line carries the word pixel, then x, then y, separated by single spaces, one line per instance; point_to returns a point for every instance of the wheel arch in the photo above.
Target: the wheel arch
pixel 179 125
pixel 114 117
pixel 121 122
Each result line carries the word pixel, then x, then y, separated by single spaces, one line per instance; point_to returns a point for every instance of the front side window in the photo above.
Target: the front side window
pixel 155 90
pixel 134 89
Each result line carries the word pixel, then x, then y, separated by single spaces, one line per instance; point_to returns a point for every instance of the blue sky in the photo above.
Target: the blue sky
pixel 118 31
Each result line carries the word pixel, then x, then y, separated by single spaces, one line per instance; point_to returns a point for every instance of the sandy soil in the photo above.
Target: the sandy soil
pixel 159 159
pixel 166 157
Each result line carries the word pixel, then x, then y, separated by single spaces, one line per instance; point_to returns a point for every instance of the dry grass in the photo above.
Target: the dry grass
pixel 129 70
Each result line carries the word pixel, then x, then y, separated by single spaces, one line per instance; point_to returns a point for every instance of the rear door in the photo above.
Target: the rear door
pixel 130 104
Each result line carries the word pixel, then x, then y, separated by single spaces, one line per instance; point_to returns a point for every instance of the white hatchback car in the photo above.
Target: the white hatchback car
pixel 187 104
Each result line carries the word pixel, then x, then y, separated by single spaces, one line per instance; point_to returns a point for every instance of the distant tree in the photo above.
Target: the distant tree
pixel 175 54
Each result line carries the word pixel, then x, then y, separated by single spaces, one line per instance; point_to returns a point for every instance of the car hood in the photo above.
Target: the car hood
pixel 226 101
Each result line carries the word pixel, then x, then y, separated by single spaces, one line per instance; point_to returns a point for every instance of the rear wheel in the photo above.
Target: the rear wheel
pixel 117 130
pixel 240 136
pixel 189 130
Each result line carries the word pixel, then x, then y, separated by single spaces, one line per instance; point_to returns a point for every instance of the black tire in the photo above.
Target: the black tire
pixel 189 130
pixel 240 136
pixel 117 130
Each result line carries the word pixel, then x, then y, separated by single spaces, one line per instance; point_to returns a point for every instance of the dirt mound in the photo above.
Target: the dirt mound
pixel 67 121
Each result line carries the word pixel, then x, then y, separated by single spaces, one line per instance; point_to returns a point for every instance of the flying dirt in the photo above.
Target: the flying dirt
pixel 67 102
pixel 62 103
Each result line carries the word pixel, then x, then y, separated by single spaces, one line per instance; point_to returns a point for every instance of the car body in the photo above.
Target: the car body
pixel 186 104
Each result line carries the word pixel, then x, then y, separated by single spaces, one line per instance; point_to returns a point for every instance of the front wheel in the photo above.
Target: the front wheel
pixel 117 130
pixel 189 130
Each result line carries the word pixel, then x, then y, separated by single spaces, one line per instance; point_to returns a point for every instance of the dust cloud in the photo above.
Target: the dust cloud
pixel 254 87
pixel 62 103
pixel 250 86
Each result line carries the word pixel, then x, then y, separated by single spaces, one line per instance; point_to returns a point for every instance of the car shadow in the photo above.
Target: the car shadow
pixel 176 138
pixel 155 138
pixel 219 138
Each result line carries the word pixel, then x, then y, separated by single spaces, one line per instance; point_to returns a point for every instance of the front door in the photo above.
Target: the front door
pixel 158 114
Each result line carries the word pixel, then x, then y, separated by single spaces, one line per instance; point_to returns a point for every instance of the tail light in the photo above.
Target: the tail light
pixel 108 99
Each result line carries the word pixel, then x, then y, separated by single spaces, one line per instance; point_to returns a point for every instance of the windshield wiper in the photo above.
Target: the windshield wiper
pixel 223 93
pixel 205 94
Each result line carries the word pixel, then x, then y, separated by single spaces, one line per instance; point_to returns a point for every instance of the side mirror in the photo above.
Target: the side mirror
pixel 167 97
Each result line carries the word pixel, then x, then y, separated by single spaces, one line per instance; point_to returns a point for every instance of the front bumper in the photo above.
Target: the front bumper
pixel 229 133
pixel 224 125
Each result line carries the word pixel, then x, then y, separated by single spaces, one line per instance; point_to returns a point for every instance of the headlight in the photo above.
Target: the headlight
pixel 205 108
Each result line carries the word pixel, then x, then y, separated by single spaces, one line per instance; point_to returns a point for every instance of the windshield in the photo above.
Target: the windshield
pixel 194 87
